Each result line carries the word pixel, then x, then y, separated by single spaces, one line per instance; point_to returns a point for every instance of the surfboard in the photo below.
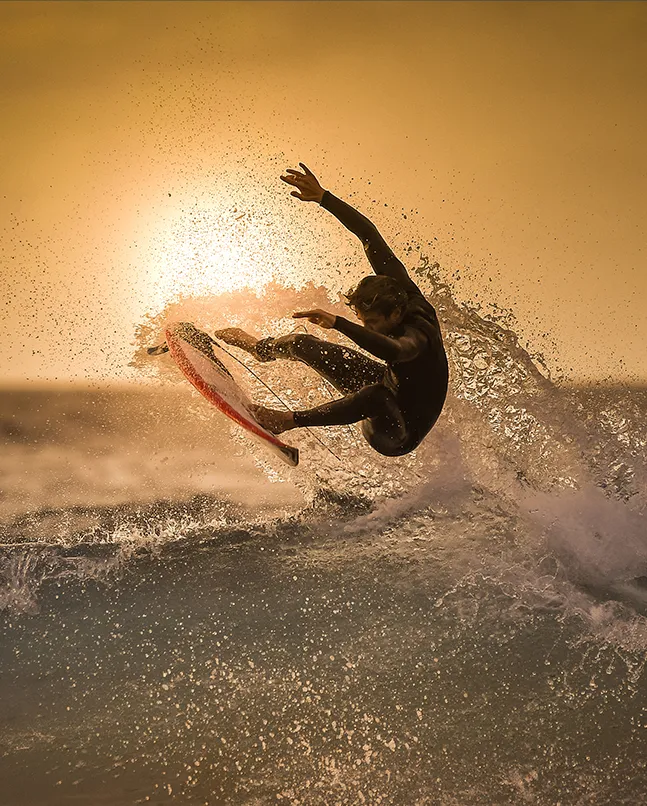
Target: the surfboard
pixel 195 353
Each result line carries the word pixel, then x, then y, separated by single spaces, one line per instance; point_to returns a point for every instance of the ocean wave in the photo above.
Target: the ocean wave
pixel 537 488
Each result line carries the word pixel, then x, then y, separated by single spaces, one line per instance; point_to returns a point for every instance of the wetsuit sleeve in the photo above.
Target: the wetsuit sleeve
pixel 379 253
pixel 387 348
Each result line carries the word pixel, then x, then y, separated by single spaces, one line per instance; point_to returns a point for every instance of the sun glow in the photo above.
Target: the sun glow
pixel 210 252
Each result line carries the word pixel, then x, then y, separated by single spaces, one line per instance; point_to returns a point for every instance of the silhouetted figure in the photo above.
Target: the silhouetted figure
pixel 398 401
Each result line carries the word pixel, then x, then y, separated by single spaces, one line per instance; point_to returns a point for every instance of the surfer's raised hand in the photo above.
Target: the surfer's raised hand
pixel 317 317
pixel 307 184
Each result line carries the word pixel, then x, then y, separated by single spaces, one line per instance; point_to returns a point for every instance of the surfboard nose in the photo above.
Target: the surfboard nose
pixel 158 349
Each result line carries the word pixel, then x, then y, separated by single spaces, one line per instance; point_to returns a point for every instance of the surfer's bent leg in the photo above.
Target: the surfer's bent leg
pixel 346 369
pixel 383 424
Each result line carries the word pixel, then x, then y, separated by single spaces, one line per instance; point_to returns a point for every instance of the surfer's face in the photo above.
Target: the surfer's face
pixel 378 323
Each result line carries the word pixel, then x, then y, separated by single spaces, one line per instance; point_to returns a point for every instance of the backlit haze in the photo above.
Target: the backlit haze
pixel 142 144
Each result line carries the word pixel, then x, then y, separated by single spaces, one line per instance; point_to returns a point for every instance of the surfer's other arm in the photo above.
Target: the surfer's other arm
pixel 379 253
pixel 388 348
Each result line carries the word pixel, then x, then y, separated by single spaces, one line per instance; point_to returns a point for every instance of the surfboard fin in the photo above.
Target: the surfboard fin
pixel 158 350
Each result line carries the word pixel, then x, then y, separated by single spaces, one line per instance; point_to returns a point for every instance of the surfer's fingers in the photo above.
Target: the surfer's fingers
pixel 294 178
pixel 307 170
pixel 312 315
pixel 316 317
pixel 291 180
pixel 297 195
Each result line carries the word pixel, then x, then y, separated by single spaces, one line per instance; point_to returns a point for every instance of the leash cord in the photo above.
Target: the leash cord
pixel 269 389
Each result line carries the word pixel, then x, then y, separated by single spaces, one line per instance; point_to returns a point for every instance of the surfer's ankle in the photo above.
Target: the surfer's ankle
pixel 286 422
pixel 263 349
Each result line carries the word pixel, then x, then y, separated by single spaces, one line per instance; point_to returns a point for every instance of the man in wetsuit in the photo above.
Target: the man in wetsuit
pixel 397 401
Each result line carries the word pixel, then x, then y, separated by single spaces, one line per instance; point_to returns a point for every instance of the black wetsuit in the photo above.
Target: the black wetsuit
pixel 399 401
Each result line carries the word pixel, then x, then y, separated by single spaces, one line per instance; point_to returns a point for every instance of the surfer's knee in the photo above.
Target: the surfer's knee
pixel 387 441
pixel 382 396
pixel 380 402
pixel 385 431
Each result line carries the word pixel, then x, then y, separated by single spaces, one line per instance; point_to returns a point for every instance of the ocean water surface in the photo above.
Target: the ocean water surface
pixel 186 620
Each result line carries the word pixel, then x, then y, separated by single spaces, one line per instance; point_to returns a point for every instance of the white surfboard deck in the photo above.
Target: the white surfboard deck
pixel 196 355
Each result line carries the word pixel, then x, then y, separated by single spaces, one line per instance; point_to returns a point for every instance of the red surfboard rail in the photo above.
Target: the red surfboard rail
pixel 217 385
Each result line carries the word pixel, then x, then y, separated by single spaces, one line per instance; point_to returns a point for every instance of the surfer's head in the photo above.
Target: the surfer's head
pixel 379 302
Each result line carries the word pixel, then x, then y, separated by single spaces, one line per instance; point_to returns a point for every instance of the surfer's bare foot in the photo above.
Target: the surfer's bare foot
pixel 273 420
pixel 239 338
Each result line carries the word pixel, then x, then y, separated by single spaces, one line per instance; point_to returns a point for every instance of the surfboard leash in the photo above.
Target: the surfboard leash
pixel 269 389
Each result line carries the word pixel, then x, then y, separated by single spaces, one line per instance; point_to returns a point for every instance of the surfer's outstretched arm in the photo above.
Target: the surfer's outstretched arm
pixel 388 348
pixel 377 250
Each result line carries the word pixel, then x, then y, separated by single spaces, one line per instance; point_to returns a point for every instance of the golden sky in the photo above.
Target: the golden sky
pixel 141 145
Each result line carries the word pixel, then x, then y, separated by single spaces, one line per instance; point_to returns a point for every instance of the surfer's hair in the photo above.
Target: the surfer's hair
pixel 377 294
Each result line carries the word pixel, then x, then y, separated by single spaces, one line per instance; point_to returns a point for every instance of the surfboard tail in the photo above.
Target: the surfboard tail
pixel 290 454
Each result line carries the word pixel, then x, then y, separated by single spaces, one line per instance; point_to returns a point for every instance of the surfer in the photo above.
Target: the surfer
pixel 399 398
